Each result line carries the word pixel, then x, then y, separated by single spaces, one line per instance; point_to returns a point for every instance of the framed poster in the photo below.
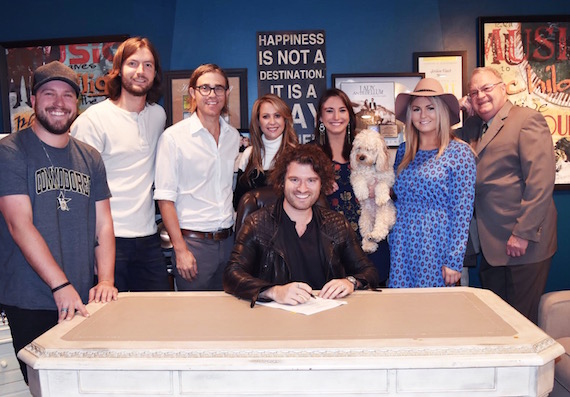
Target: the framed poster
pixel 177 99
pixel 447 67
pixel 292 65
pixel 532 55
pixel 374 97
pixel 90 57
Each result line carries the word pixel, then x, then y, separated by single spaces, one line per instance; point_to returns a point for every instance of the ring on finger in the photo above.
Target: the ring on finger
pixel 64 310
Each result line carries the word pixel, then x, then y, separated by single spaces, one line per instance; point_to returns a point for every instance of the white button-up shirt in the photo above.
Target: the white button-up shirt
pixel 196 174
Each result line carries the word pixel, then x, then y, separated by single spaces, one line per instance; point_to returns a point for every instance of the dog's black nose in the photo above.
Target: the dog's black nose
pixel 362 158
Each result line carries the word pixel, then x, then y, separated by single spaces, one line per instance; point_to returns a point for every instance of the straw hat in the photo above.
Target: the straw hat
pixel 428 87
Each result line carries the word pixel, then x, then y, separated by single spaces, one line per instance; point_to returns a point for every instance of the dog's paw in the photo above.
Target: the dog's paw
pixel 381 200
pixel 378 235
pixel 369 246
pixel 380 230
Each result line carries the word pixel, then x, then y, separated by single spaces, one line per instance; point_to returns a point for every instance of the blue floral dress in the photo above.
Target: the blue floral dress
pixel 434 200
pixel 345 202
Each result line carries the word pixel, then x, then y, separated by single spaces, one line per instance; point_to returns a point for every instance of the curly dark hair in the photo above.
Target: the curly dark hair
pixel 125 50
pixel 303 154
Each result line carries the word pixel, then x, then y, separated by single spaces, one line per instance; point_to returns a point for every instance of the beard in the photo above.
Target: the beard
pixel 298 204
pixel 57 128
pixel 133 89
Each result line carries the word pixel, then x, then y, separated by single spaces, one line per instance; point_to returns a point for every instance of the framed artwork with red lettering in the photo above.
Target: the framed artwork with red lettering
pixel 90 57
pixel 532 55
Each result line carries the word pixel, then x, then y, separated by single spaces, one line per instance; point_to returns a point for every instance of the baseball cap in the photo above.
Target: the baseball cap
pixel 55 71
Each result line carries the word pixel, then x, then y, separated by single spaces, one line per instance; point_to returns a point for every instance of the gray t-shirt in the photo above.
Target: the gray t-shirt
pixel 63 186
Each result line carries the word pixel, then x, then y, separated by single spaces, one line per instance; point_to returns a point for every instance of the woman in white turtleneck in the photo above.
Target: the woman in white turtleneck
pixel 271 131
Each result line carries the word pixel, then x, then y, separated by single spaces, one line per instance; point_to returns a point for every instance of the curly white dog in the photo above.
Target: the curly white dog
pixel 371 169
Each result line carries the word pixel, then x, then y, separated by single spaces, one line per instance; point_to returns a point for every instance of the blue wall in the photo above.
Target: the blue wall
pixel 377 36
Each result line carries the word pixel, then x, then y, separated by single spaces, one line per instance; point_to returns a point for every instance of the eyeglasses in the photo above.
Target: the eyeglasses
pixel 205 90
pixel 485 89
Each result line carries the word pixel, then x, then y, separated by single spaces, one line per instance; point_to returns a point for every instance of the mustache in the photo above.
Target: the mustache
pixel 57 108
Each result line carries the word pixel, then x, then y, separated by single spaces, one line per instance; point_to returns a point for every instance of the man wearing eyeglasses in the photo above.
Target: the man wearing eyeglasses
pixel 193 183
pixel 515 212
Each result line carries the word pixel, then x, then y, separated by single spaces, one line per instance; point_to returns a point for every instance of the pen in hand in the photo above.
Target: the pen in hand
pixel 310 293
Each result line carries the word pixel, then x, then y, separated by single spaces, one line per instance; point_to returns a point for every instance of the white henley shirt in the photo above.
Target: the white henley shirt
pixel 127 143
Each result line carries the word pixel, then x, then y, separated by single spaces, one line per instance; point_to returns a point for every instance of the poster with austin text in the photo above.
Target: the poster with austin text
pixel 90 57
pixel 532 55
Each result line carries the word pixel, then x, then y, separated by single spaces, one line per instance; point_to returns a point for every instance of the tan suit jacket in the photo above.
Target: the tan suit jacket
pixel 513 190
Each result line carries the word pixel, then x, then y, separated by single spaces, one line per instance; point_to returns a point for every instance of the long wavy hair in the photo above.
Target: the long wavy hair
pixel 412 135
pixel 290 139
pixel 324 142
pixel 200 71
pixel 125 50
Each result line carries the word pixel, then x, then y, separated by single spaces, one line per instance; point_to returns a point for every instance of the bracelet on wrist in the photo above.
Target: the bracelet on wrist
pixel 54 290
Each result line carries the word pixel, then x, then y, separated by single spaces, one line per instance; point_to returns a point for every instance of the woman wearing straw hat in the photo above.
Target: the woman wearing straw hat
pixel 435 189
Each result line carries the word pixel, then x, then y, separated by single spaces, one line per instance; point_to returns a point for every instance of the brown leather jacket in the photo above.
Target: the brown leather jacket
pixel 259 258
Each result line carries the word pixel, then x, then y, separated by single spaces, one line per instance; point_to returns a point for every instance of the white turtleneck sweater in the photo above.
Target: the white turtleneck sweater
pixel 271 148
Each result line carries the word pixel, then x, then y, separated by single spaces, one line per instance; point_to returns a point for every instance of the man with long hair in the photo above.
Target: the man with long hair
pixel 125 129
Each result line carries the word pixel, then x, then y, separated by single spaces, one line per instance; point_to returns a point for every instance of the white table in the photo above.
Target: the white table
pixel 415 342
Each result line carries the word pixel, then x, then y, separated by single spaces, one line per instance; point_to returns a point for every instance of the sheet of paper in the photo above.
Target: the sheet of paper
pixel 312 306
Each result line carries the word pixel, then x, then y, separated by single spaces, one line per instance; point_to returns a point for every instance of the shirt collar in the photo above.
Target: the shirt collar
pixel 196 125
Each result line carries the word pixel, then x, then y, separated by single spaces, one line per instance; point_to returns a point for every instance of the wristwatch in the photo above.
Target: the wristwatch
pixel 353 281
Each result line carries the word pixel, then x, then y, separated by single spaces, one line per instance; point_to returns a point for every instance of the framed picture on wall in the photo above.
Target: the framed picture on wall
pixel 447 67
pixel 245 138
pixel 531 53
pixel 177 99
pixel 90 57
pixel 374 96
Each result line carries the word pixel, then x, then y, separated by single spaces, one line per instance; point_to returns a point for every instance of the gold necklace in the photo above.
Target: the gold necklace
pixel 61 199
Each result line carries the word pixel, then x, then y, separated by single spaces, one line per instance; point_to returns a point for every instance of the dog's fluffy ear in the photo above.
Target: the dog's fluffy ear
pixel 382 163
pixel 355 145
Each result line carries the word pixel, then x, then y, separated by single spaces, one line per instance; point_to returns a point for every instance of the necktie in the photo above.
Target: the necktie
pixel 484 128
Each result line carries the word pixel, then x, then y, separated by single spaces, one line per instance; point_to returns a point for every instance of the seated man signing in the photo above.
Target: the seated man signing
pixel 284 251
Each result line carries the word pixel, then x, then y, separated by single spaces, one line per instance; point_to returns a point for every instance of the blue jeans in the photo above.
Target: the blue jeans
pixel 140 264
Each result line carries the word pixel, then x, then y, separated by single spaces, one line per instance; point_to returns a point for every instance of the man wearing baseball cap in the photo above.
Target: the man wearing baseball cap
pixel 56 224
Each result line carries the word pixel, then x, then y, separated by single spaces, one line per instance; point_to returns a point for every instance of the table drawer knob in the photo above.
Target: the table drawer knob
pixel 3 363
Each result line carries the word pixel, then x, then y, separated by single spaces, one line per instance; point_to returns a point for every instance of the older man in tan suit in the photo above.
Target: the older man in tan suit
pixel 515 212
